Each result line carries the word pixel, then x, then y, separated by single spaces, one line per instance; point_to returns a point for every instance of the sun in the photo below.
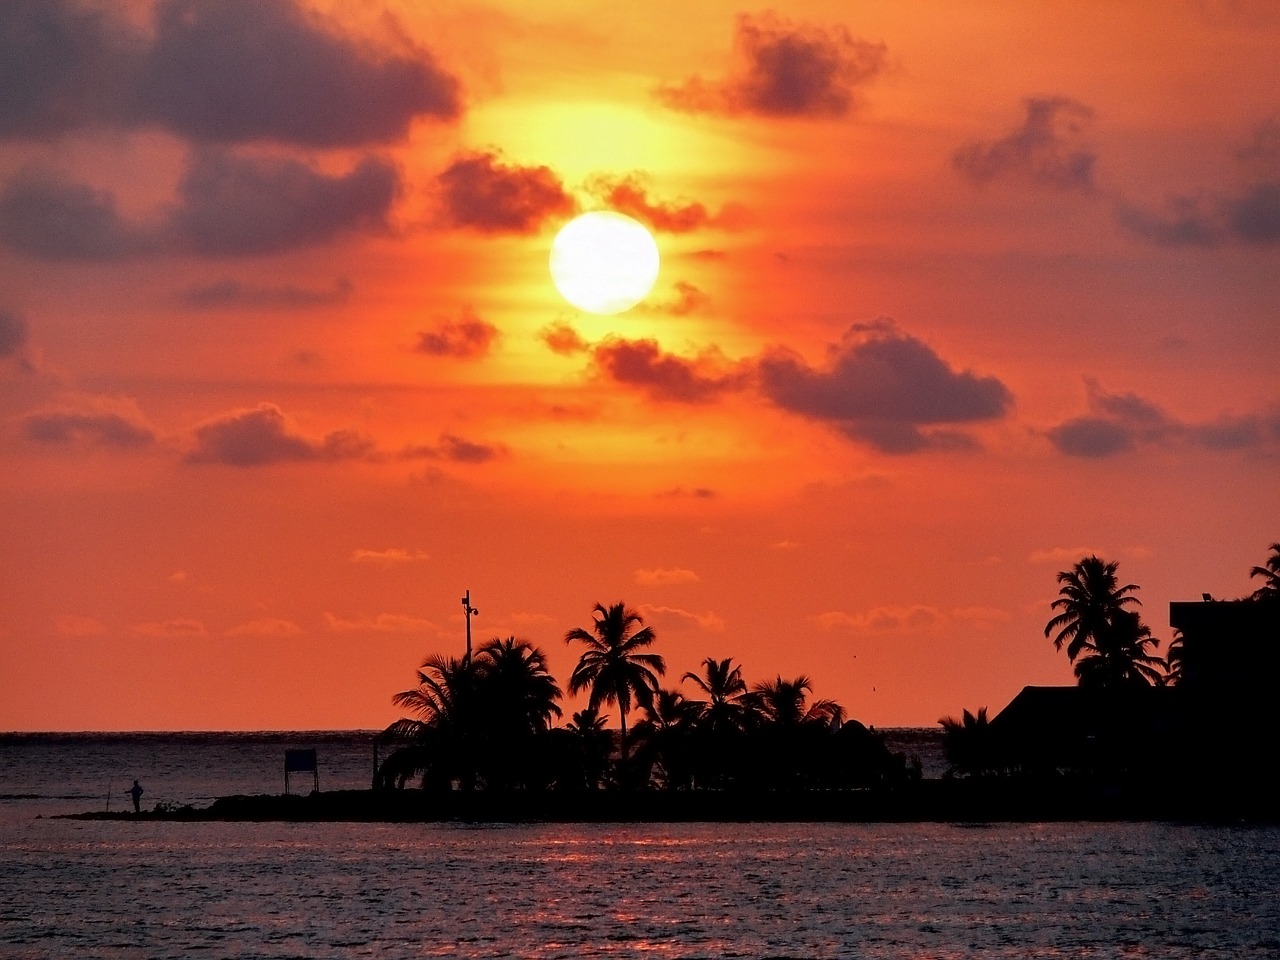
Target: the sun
pixel 604 262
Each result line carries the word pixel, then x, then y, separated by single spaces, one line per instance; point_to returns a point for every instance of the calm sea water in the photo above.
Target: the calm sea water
pixel 153 889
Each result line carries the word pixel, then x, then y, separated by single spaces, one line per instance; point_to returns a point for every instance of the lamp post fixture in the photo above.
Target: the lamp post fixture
pixel 470 612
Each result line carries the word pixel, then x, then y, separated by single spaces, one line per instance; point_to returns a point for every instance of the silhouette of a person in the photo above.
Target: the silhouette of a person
pixel 136 792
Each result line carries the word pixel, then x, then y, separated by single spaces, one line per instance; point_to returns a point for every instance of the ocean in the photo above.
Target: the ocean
pixel 120 889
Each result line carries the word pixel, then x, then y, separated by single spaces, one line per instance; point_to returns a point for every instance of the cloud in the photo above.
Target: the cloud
pixel 382 623
pixel 457 450
pixel 65 65
pixel 882 387
pixel 42 214
pixel 227 205
pixel 97 421
pixel 1061 554
pixel 393 556
pixel 465 338
pixel 235 205
pixel 1251 216
pixel 261 437
pixel 232 71
pixel 563 339
pixel 226 71
pixel 180 628
pixel 784 69
pixel 75 625
pixel 481 192
pixel 664 576
pixel 630 195
pixel 697 493
pixel 882 619
pixel 235 293
pixel 1263 148
pixel 665 376
pixel 1046 149
pixel 266 628
pixel 689 299
pixel 13 334
pixel 673 617
pixel 1123 422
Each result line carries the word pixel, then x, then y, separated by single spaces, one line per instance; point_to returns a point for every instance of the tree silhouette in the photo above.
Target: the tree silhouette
pixel 665 737
pixel 1120 656
pixel 784 703
pixel 725 689
pixel 967 744
pixel 614 666
pixel 1270 574
pixel 1089 602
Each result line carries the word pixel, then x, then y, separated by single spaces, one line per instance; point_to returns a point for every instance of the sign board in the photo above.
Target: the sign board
pixel 301 761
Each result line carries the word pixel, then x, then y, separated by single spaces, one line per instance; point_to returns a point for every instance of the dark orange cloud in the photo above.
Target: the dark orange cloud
pixel 465 338
pixel 13 334
pixel 645 365
pixel 230 71
pixel 456 450
pixel 481 192
pixel 1045 149
pixel 563 339
pixel 784 69
pixel 1120 423
pixel 884 388
pixel 261 437
pixel 227 205
pixel 630 195
pixel 237 293
pixel 100 428
pixel 1249 216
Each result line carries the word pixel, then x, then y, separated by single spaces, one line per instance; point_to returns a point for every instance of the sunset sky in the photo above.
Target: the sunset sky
pixel 951 295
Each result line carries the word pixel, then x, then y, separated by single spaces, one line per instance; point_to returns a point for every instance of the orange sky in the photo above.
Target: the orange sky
pixel 951 295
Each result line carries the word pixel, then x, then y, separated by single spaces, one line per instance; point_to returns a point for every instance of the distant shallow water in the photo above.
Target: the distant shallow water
pixel 693 890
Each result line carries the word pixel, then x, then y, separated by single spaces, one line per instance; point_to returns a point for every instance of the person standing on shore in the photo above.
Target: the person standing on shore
pixel 136 792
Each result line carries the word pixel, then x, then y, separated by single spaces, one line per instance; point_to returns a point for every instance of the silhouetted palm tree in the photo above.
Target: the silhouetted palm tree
pixel 519 693
pixel 614 666
pixel 595 744
pixel 967 745
pixel 665 737
pixel 724 688
pixel 1120 656
pixel 783 703
pixel 1089 601
pixel 443 735
pixel 1270 574
pixel 1173 660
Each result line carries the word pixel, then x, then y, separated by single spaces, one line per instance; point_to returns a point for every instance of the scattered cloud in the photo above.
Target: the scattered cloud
pixel 227 205
pixel 233 71
pixel 784 69
pixel 13 334
pixel 1061 554
pixel 1123 422
pixel 665 576
pixel 883 387
pixel 457 450
pixel 391 557
pixel 688 299
pixel 481 192
pixel 266 628
pixel 382 623
pixel 236 293
pixel 263 436
pixel 1046 149
pixel 179 628
pixel 665 376
pixel 882 619
pixel 75 625
pixel 697 493
pixel 234 205
pixel 563 339
pixel 630 195
pixel 97 421
pixel 1249 216
pixel 674 617
pixel 465 338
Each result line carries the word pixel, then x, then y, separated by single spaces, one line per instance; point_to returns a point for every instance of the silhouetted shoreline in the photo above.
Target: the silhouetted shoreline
pixel 942 801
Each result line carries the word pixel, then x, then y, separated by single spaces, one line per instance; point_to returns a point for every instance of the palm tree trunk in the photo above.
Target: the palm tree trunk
pixel 623 715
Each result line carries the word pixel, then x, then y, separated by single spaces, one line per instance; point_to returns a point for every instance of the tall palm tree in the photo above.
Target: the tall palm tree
pixel 1089 602
pixel 1270 574
pixel 664 737
pixel 1121 656
pixel 442 736
pixel 614 666
pixel 724 688
pixel 968 746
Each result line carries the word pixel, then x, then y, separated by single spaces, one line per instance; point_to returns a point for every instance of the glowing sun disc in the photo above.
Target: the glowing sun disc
pixel 604 262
